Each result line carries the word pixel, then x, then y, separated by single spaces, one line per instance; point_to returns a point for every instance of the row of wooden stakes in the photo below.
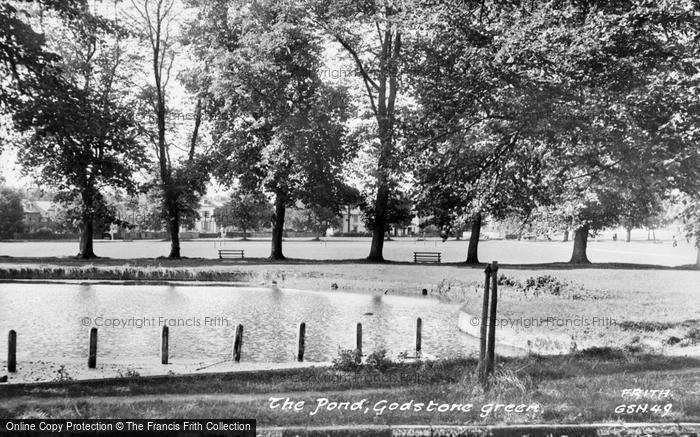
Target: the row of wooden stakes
pixel 235 355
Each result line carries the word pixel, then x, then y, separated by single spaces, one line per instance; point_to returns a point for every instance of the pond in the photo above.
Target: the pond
pixel 53 322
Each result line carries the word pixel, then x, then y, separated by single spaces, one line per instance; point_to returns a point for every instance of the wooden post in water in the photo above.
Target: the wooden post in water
pixel 238 344
pixel 358 342
pixel 165 341
pixel 491 346
pixel 12 351
pixel 419 336
pixel 484 325
pixel 92 356
pixel 301 342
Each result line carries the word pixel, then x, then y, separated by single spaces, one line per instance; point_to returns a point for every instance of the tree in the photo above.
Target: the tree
pixel 371 33
pixel 566 76
pixel 11 212
pixel 641 208
pixel 649 142
pixel 182 181
pixel 476 141
pixel 277 127
pixel 82 136
pixel 690 217
pixel 24 57
pixel 25 60
pixel 399 211
pixel 245 211
pixel 314 218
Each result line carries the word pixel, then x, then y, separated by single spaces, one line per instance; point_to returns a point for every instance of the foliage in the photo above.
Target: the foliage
pixel 371 34
pixel 690 216
pixel 546 105
pixel 314 218
pixel 544 283
pixel 25 61
pixel 245 211
pixel 347 360
pixel 277 127
pixel 399 211
pixel 181 179
pixel 11 212
pixel 82 137
pixel 378 360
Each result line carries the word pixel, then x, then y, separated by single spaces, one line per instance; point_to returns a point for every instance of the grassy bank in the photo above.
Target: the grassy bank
pixel 583 387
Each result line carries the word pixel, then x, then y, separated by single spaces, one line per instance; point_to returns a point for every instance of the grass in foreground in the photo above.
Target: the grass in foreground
pixel 582 387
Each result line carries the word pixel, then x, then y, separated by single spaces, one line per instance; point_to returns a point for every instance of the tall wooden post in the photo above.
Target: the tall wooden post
pixel 491 346
pixel 301 342
pixel 92 355
pixel 12 352
pixel 485 313
pixel 165 340
pixel 419 336
pixel 358 339
pixel 238 344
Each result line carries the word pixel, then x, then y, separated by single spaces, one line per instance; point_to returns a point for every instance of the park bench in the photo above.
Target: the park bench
pixel 426 257
pixel 230 253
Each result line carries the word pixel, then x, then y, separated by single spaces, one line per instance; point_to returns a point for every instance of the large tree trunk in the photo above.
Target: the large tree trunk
pixel 628 238
pixel 388 86
pixel 473 251
pixel 580 243
pixel 278 227
pixel 697 259
pixel 245 234
pixel 379 231
pixel 566 235
pixel 86 246
pixel 174 230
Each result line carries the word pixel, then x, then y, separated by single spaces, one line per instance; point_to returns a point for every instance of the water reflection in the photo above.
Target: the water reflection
pixel 50 321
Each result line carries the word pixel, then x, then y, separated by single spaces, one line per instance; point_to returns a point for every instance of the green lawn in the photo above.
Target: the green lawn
pixel 602 250
pixel 580 388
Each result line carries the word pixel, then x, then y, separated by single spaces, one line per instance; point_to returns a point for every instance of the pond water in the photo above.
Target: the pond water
pixel 53 322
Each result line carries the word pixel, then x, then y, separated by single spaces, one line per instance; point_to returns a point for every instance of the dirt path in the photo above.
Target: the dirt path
pixel 206 397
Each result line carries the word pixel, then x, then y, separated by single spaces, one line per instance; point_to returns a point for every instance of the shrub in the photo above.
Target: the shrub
pixel 694 335
pixel 544 283
pixel 379 360
pixel 347 360
pixel 505 281
pixel 62 375
pixel 129 373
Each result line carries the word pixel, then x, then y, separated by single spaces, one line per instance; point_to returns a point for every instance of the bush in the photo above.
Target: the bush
pixel 348 360
pixel 540 284
pixel 379 360
pixel 694 335
pixel 509 282
pixel 129 373
pixel 544 283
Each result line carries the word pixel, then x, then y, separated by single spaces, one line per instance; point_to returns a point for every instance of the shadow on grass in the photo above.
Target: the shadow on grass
pixel 207 262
